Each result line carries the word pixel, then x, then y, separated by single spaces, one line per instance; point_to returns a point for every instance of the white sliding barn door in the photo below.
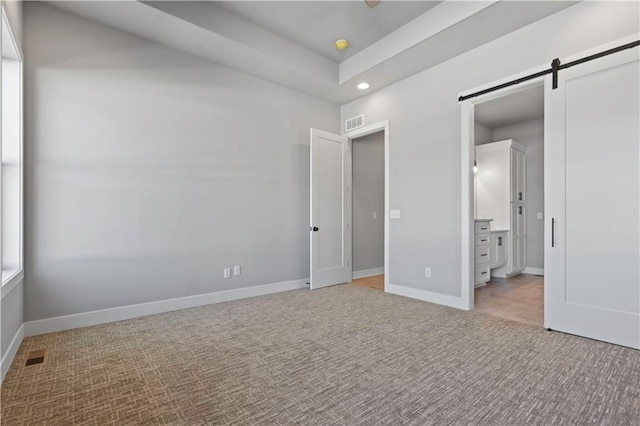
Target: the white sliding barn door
pixel 330 209
pixel 592 199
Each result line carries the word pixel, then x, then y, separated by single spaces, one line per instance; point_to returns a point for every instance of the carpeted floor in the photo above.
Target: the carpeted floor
pixel 341 355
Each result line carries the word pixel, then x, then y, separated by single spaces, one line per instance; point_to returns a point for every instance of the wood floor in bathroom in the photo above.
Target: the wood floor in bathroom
pixel 519 298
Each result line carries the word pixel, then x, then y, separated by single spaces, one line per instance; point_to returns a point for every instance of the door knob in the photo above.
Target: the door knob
pixel 314 229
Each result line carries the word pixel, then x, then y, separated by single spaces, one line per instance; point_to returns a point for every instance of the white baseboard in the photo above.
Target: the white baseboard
pixel 85 319
pixel 534 271
pixel 368 273
pixel 427 296
pixel 8 357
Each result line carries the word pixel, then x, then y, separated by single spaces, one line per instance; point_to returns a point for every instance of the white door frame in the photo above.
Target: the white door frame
pixel 358 133
pixel 467 155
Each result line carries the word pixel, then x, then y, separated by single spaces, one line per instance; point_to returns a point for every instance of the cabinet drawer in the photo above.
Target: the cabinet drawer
pixel 482 228
pixel 482 240
pixel 482 254
pixel 482 273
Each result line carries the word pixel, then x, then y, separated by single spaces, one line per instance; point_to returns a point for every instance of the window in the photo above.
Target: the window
pixel 10 156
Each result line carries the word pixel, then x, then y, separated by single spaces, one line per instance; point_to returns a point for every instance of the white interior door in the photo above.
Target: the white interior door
pixel 592 198
pixel 330 209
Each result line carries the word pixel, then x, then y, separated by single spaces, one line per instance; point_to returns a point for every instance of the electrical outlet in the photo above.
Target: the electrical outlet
pixel 236 271
pixel 427 272
pixel 539 215
pixel 227 273
pixel 394 214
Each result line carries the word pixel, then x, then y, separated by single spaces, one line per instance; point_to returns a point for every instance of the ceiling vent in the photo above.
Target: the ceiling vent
pixel 354 123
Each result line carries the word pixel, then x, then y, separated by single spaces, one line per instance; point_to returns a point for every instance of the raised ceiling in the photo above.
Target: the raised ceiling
pixel 293 54
pixel 316 25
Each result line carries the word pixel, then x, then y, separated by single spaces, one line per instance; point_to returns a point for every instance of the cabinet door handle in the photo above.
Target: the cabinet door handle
pixel 520 196
pixel 483 255
pixel 553 232
pixel 499 241
pixel 519 209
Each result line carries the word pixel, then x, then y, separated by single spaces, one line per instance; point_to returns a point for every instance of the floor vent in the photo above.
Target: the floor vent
pixel 35 357
pixel 354 123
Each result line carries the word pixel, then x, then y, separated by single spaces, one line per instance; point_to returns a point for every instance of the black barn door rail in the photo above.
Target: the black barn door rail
pixel 556 66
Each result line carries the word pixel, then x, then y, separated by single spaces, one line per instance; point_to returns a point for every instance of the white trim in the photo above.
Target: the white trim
pixel 103 316
pixel 533 271
pixel 364 131
pixel 5 17
pixel 12 282
pixel 426 296
pixel 10 355
pixel 364 273
pixel 467 153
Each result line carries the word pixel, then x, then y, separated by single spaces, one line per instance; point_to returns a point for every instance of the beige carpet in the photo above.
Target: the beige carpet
pixel 341 355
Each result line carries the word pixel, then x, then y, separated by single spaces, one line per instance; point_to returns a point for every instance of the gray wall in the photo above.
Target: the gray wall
pixel 11 316
pixel 531 135
pixel 11 306
pixel 425 133
pixel 148 171
pixel 482 133
pixel 368 197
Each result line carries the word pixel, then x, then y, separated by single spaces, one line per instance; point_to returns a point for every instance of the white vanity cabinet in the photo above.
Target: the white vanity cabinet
pixel 482 250
pixel 501 195
pixel 498 248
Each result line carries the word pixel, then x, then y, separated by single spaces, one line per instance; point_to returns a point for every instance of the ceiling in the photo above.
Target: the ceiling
pixel 290 43
pixel 316 25
pixel 518 107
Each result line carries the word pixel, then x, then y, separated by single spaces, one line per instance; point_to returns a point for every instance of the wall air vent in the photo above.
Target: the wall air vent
pixel 354 123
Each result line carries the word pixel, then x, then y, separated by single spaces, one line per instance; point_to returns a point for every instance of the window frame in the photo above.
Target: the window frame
pixel 11 278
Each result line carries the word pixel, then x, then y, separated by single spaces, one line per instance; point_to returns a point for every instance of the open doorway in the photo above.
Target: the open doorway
pixel 508 204
pixel 368 155
pixel 331 202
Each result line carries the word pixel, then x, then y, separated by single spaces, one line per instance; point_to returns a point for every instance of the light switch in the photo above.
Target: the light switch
pixel 539 215
pixel 395 214
pixel 375 215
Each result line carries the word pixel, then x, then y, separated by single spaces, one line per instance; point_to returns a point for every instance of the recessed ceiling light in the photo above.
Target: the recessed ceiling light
pixel 363 86
pixel 342 44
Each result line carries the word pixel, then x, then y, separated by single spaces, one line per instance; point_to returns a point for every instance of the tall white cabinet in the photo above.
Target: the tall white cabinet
pixel 501 196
